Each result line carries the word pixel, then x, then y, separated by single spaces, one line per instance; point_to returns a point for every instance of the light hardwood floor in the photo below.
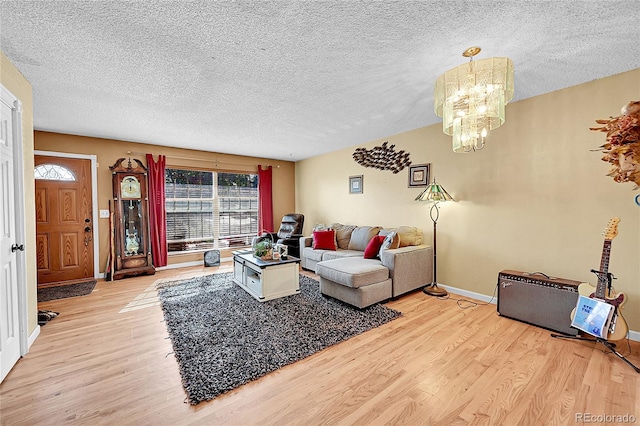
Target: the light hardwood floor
pixel 106 360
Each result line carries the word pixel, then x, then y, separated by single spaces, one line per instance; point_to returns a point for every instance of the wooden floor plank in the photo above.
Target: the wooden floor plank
pixel 107 359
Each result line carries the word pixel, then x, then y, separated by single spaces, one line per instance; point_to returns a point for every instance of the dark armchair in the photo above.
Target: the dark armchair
pixel 290 232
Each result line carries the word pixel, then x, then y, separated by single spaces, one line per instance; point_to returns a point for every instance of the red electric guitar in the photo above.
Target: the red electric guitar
pixel 620 327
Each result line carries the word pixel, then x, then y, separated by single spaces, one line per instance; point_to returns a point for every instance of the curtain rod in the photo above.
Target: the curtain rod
pixel 199 159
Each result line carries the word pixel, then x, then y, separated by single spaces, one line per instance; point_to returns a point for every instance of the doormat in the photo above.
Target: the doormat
pixel 64 291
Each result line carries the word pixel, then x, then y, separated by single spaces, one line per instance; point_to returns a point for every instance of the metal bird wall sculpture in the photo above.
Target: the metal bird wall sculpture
pixel 383 158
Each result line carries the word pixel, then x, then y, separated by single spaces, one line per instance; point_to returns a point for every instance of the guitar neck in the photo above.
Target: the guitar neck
pixel 603 274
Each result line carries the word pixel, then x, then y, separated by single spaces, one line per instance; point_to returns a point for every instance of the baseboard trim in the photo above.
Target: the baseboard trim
pixel 633 335
pixel 32 337
pixel 194 263
pixel 182 265
pixel 467 293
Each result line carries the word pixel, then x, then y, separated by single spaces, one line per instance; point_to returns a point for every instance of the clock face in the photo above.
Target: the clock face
pixel 130 187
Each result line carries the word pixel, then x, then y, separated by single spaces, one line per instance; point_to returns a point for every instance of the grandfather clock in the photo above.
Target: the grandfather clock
pixel 131 219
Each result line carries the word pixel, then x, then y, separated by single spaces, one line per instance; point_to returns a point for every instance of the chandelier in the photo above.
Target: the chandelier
pixel 471 98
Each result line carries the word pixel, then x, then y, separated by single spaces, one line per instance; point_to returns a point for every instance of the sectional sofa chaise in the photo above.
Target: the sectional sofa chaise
pixel 363 265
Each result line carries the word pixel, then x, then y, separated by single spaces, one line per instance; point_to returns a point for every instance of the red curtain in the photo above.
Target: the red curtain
pixel 157 212
pixel 265 210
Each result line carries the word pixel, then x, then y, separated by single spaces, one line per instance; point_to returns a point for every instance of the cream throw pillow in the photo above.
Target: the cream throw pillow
pixel 343 234
pixel 409 236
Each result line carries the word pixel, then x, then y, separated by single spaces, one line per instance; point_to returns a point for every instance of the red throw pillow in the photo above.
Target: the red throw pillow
pixel 325 240
pixel 371 252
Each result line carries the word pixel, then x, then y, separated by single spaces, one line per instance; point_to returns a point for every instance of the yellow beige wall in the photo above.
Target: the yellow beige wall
pixel 16 83
pixel 537 198
pixel 108 151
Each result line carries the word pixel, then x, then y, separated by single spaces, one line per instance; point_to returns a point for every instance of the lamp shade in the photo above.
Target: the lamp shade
pixel 435 193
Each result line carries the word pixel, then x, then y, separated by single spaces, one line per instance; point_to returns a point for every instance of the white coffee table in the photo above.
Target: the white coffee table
pixel 266 279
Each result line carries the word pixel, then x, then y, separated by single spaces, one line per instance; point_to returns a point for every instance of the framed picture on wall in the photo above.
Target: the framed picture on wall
pixel 419 175
pixel 355 184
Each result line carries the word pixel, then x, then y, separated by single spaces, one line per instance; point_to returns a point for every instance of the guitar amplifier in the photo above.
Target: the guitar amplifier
pixel 537 299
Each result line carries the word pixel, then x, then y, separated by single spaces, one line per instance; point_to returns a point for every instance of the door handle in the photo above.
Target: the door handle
pixel 88 237
pixel 17 247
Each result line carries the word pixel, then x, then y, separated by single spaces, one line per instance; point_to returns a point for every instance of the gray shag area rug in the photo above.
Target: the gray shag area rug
pixel 64 291
pixel 223 338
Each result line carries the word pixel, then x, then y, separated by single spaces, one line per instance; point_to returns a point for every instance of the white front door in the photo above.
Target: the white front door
pixel 11 274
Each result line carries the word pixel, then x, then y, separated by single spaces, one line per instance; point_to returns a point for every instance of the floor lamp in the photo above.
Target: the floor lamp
pixel 434 193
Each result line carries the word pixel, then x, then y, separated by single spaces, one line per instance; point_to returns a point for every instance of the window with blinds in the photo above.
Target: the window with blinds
pixel 208 210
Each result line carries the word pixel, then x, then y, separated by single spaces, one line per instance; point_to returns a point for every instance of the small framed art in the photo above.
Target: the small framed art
pixel 419 175
pixel 355 184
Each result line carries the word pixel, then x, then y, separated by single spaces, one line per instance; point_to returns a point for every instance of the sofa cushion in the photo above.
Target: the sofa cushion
pixel 361 236
pixel 324 240
pixel 359 297
pixel 343 234
pixel 353 272
pixel 329 255
pixel 409 236
pixel 315 255
pixel 371 252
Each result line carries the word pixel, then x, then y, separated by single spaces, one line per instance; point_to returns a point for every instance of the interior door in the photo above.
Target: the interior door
pixel 9 246
pixel 64 228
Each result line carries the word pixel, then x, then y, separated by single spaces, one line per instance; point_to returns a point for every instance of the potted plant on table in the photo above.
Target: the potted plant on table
pixel 263 249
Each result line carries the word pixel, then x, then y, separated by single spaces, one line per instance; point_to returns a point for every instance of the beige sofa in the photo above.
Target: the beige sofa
pixel 346 275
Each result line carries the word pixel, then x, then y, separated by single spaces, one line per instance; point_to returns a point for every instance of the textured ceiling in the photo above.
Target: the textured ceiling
pixel 290 80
